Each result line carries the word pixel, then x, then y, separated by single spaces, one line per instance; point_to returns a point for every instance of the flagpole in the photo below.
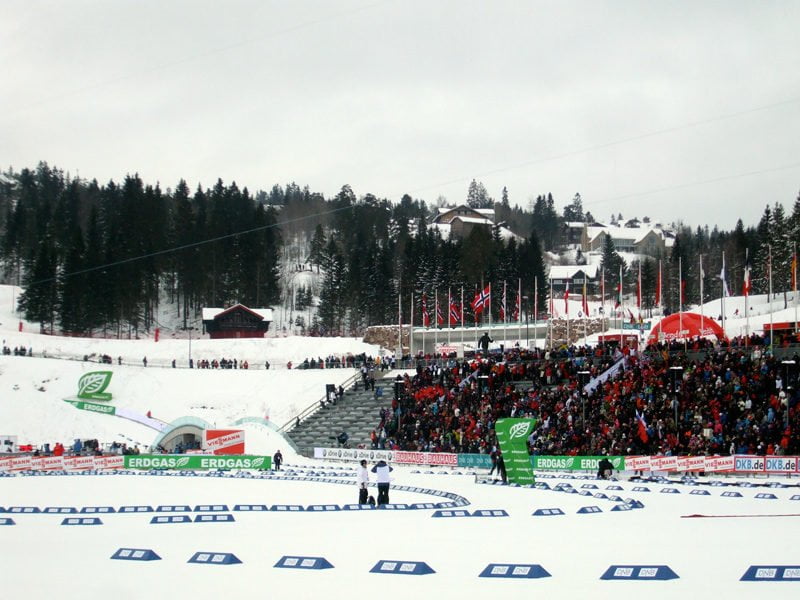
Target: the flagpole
pixel 585 315
pixel 702 315
pixel 660 300
pixel 794 283
pixel 435 321
pixel 449 317
pixel 505 313
pixel 462 320
pixel 552 310
pixel 603 296
pixel 746 296
pixel 535 311
pixel 400 324
pixel 566 310
pixel 771 324
pixel 411 329
pixel 680 299
pixel 724 293
pixel 621 306
pixel 519 309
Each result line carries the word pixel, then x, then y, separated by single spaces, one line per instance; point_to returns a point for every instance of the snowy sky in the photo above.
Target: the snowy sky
pixel 681 110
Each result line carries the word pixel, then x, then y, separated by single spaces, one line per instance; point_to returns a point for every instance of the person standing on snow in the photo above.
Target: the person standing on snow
pixel 382 470
pixel 362 479
pixel 277 459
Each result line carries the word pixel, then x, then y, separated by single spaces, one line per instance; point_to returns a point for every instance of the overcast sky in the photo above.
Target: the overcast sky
pixel 674 110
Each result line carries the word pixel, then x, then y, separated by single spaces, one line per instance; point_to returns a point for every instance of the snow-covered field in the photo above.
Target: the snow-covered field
pixel 44 559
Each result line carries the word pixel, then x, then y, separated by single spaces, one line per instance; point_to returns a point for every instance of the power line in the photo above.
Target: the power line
pixel 602 146
pixel 694 183
pixel 133 259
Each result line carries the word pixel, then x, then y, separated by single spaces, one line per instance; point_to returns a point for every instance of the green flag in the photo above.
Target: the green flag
pixel 512 435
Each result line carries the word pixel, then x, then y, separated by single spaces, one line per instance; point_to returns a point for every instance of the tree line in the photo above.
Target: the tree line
pixel 97 257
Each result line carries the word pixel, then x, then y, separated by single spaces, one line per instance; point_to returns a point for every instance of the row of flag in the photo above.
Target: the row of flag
pixel 482 300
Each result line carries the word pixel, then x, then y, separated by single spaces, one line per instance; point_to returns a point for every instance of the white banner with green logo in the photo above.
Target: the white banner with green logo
pixel 512 435
pixel 197 462
pixel 575 463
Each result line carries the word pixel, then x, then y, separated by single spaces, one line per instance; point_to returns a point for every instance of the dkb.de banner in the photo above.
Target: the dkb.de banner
pixel 197 462
pixel 512 435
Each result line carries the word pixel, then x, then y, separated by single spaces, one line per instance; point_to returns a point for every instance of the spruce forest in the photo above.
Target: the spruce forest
pixel 98 258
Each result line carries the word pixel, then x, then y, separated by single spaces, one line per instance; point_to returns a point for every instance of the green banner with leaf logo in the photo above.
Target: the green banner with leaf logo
pixel 197 462
pixel 512 435
pixel 92 386
pixel 105 409
pixel 575 463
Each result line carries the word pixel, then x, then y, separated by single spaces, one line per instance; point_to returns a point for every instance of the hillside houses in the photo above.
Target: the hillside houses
pixel 459 221
pixel 631 236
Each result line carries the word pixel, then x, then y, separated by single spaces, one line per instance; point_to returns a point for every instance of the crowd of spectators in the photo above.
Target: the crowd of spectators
pixel 726 399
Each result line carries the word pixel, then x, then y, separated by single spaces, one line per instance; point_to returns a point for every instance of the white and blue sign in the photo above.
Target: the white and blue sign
pixel 135 554
pixel 398 567
pixel 160 520
pixel 640 572
pixel 303 562
pixel 214 558
pixel 82 521
pixel 772 573
pixel 514 571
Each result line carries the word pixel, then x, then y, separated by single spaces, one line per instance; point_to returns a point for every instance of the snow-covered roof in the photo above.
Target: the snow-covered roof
pixel 569 271
pixel 210 313
pixel 475 220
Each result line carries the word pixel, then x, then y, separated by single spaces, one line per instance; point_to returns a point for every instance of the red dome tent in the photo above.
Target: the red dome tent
pixel 683 326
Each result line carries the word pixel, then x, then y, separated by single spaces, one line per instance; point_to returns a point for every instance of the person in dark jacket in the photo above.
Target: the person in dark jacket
pixel 604 468
pixel 484 342
pixel 277 459
pixel 382 470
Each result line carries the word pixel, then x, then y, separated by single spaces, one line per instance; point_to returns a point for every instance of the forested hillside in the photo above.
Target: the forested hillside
pixel 100 257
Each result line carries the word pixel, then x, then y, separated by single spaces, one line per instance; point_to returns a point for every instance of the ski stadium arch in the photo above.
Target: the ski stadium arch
pixel 685 325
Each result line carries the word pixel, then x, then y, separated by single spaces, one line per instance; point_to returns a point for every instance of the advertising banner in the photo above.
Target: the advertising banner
pixel 691 463
pixel 353 454
pixel 512 436
pixel 781 464
pixel 425 458
pixel 20 463
pixel 749 464
pixel 105 409
pixel 664 463
pixel 576 463
pixel 716 464
pixel 637 463
pixel 196 462
pixel 223 441
pixel 92 386
pixel 479 461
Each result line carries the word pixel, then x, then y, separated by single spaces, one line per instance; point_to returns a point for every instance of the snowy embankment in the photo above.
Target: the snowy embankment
pixel 32 389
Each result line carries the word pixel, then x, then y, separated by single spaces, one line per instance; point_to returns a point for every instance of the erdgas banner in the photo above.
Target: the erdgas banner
pixel 575 463
pixel 512 435
pixel 197 462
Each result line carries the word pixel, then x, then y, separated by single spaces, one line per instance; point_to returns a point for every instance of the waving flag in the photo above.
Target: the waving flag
pixel 426 318
pixel 746 284
pixel 439 315
pixel 585 300
pixel 455 315
pixel 503 304
pixel 642 427
pixel 566 299
pixel 482 300
pixel 722 277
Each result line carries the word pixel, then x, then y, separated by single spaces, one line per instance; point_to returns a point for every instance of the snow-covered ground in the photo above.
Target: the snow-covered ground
pixel 44 559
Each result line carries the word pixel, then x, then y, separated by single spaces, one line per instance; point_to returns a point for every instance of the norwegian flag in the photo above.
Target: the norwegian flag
pixel 566 299
pixel 618 303
pixel 642 427
pixel 455 314
pixel 426 318
pixel 482 300
pixel 746 285
pixel 516 315
pixel 439 315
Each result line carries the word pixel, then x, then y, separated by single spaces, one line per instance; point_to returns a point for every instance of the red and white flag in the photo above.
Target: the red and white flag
pixel 482 300
pixel 585 300
pixel 566 299
pixel 455 315
pixel 426 318
pixel 642 427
